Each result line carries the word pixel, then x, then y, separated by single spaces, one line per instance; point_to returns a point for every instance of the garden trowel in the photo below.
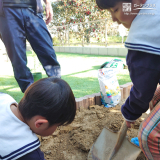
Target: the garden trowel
pixel 113 146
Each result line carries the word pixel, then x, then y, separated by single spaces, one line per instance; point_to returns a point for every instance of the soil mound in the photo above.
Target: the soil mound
pixel 74 141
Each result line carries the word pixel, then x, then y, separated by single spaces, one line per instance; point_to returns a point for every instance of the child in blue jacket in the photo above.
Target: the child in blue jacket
pixel 143 60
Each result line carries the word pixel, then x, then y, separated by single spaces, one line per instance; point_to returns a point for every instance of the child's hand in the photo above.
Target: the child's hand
pixel 129 124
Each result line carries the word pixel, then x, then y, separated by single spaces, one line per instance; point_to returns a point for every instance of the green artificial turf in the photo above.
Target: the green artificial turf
pixel 79 70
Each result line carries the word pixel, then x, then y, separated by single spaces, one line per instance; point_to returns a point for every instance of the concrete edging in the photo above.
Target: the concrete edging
pixel 93 50
pixel 89 50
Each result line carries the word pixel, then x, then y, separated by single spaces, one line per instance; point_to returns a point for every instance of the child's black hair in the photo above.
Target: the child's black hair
pixel 107 4
pixel 51 98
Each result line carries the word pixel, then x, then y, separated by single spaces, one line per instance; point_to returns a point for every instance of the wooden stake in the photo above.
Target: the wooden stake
pixel 125 91
pixel 98 99
pixel 121 93
pixel 85 102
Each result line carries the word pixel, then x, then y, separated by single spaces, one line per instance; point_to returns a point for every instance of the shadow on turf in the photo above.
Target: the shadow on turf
pixel 80 86
pixel 93 68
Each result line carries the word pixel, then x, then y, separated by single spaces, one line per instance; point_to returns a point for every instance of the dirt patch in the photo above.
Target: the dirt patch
pixel 74 141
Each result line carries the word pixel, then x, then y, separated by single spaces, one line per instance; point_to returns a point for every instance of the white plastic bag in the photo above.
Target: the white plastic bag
pixel 109 86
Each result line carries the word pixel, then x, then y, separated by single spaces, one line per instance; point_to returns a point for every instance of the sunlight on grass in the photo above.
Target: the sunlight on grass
pixel 6 87
pixel 79 70
pixel 13 89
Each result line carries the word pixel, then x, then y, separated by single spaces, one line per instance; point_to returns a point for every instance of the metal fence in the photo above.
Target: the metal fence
pixel 100 32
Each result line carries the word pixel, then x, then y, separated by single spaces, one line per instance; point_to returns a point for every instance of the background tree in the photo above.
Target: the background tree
pixel 75 11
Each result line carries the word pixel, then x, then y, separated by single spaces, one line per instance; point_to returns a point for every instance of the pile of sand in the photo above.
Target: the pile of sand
pixel 74 141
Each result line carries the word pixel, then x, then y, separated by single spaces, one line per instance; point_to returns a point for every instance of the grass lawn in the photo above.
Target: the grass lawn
pixel 79 70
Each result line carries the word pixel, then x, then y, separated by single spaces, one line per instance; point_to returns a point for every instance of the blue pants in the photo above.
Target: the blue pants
pixel 144 69
pixel 17 25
